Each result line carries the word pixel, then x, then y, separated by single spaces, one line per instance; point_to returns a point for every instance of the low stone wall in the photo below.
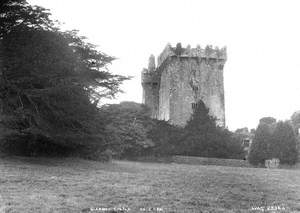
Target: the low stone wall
pixel 210 161
pixel 206 161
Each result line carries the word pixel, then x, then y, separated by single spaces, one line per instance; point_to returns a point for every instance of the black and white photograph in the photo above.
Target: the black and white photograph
pixel 148 106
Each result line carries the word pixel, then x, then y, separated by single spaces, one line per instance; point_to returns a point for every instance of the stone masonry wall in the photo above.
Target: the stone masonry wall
pixel 164 96
pixel 184 81
pixel 182 78
pixel 150 83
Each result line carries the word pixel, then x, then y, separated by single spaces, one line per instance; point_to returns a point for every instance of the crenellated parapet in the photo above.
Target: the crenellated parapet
pixel 207 52
pixel 151 74
pixel 168 51
pixel 149 77
pixel 181 77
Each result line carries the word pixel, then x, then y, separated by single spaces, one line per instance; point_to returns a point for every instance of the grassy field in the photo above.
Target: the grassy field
pixel 74 185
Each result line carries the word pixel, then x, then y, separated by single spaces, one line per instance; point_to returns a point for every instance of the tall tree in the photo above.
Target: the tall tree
pixel 51 80
pixel 199 131
pixel 284 143
pixel 260 148
pixel 204 138
pixel 18 12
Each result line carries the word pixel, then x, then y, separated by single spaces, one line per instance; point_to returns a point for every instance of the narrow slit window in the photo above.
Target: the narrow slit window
pixel 194 105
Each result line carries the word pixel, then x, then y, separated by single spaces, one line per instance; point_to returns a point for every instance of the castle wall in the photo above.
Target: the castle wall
pixel 164 96
pixel 184 76
pixel 150 92
pixel 184 81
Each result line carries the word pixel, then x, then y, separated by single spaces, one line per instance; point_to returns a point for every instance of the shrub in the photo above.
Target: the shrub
pixel 126 127
pixel 103 156
pixel 132 133
pixel 25 145
pixel 167 138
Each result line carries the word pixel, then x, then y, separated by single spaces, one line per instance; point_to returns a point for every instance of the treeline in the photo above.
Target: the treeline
pixel 275 140
pixel 51 85
pixel 133 133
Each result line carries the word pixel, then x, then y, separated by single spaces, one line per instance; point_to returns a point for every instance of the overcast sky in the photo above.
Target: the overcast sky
pixel 261 75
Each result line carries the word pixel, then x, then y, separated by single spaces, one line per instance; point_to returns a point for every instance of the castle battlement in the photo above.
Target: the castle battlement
pixel 207 52
pixel 149 76
pixel 173 87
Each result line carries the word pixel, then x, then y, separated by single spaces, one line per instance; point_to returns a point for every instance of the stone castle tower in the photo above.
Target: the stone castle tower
pixel 182 77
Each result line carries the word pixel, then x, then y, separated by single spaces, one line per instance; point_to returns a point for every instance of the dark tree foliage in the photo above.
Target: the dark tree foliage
pixel 167 139
pixel 295 120
pixel 267 120
pixel 234 146
pixel 244 130
pixel 126 127
pixel 200 131
pixel 51 82
pixel 202 137
pixel 130 132
pixel 19 13
pixel 201 119
pixel 284 144
pixel 260 148
pixel 274 141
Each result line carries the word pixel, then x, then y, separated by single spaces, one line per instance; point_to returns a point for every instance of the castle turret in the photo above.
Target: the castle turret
pixel 151 63
pixel 150 83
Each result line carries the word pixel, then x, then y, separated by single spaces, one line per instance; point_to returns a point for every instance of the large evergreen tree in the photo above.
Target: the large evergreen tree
pixel 260 148
pixel 19 13
pixel 199 131
pixel 51 81
pixel 202 137
pixel 284 143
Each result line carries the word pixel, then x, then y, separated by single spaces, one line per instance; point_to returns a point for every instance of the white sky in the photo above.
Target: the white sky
pixel 262 73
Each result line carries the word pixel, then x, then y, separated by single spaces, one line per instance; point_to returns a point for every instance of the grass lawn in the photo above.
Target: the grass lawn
pixel 75 185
